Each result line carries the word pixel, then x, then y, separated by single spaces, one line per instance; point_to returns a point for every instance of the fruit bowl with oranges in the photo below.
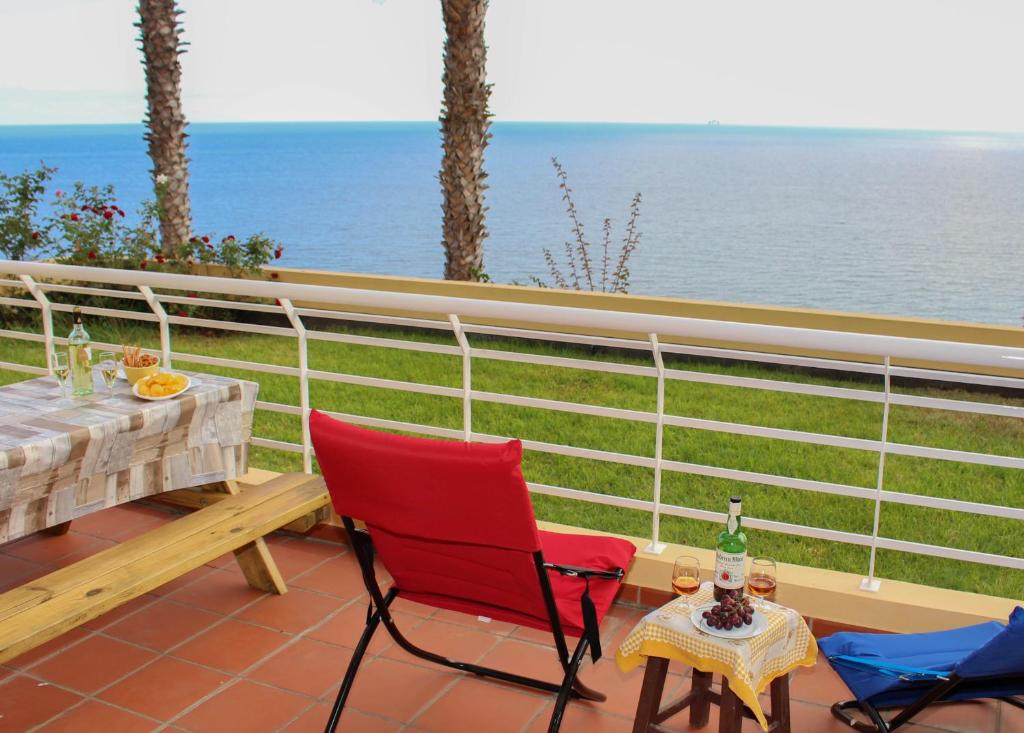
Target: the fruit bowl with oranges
pixel 161 386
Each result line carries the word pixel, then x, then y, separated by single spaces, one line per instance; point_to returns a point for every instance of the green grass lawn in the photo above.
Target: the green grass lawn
pixel 798 412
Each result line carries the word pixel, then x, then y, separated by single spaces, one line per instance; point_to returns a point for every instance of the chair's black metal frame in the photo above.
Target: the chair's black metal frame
pixel 378 612
pixel 937 693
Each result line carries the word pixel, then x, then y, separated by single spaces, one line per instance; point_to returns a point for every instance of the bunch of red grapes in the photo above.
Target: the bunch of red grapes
pixel 731 613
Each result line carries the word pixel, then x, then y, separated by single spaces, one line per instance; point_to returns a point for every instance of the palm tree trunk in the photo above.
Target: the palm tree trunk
pixel 160 34
pixel 465 124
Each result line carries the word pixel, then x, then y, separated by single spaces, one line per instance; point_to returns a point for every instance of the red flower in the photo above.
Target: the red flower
pixel 92 254
pixel 229 238
pixel 277 253
pixel 108 214
pixel 121 212
pixel 59 193
pixel 209 246
pixel 84 207
pixel 160 259
pixel 182 314
pixel 277 301
pixel 206 240
pixel 193 295
pixel 74 217
pixel 35 235
pixel 142 265
pixel 194 240
pixel 274 276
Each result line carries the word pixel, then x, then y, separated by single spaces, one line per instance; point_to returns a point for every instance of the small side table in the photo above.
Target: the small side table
pixel 650 714
pixel 747 666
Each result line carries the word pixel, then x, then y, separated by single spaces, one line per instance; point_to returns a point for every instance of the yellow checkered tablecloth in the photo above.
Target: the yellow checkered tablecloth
pixel 749 664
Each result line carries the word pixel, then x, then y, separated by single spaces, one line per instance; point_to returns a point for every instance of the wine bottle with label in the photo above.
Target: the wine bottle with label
pixel 80 357
pixel 731 555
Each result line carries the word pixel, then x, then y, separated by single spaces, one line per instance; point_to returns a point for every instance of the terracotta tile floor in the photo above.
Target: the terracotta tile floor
pixel 207 653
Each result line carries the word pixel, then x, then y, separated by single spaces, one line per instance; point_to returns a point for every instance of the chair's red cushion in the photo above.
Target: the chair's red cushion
pixel 453 524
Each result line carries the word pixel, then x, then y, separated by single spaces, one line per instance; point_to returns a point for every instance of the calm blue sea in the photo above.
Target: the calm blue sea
pixel 909 223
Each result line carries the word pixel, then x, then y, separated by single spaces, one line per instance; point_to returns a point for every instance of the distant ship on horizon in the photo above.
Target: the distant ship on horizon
pixel 714 123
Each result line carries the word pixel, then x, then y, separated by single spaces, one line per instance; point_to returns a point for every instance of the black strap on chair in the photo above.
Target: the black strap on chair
pixel 591 632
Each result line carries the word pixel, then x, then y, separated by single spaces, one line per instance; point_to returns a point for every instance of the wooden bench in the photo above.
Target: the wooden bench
pixel 46 607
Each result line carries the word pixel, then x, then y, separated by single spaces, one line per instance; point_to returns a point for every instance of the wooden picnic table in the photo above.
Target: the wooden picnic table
pixel 62 458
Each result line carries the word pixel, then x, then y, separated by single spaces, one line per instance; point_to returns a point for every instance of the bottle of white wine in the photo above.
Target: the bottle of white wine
pixel 80 357
pixel 731 555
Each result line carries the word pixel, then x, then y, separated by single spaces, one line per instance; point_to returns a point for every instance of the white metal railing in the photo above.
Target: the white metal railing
pixel 551 323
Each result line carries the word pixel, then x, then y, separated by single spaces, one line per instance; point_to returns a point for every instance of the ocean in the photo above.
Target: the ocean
pixel 893 222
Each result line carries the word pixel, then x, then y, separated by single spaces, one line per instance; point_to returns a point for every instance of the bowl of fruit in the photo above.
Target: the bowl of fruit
pixel 731 618
pixel 137 365
pixel 161 386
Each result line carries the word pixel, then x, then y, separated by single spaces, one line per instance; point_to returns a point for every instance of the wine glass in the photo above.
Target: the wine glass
pixel 61 370
pixel 108 369
pixel 686 577
pixel 761 579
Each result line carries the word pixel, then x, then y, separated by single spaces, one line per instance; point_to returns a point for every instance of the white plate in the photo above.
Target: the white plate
pixel 135 390
pixel 759 624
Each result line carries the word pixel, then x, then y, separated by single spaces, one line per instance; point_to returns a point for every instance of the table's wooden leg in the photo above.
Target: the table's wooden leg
pixel 780 703
pixel 700 708
pixel 254 559
pixel 58 529
pixel 650 694
pixel 730 711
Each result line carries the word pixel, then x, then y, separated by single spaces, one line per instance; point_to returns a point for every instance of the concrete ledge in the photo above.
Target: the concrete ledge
pixel 828 595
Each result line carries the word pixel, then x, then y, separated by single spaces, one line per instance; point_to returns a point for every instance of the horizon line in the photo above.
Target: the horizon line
pixel 708 123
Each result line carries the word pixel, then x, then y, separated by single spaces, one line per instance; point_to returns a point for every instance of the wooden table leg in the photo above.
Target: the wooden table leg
pixel 58 529
pixel 780 703
pixel 730 711
pixel 700 708
pixel 254 559
pixel 650 694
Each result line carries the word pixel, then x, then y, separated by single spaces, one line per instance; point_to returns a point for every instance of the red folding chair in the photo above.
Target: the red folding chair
pixel 453 525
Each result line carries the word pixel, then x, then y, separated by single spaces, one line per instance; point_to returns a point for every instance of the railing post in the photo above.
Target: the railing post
pixel 871 583
pixel 165 327
pixel 300 332
pixel 47 313
pixel 467 377
pixel 656 547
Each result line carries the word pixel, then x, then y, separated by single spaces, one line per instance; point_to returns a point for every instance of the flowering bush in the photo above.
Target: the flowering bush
pixel 20 233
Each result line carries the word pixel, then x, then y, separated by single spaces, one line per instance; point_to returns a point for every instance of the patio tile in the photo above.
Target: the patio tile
pixel 623 690
pixel 308 667
pixel 339 577
pixel 44 650
pixel 244 707
pixel 294 612
pixel 396 690
pixel 587 718
pixel 164 688
pixel 25 703
pixel 217 591
pixel 818 684
pixel 472 705
pixel 537 636
pixel 454 641
pixel 180 582
pixel 980 716
pixel 231 646
pixel 500 628
pixel 314 720
pixel 1012 719
pixel 162 625
pixel 48 549
pixel 346 628
pixel 94 716
pixel 295 557
pixel 116 614
pixel 531 660
pixel 817 718
pixel 121 522
pixel 92 664
pixel 14 571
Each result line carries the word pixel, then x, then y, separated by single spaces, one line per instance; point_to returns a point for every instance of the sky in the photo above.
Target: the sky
pixel 927 64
